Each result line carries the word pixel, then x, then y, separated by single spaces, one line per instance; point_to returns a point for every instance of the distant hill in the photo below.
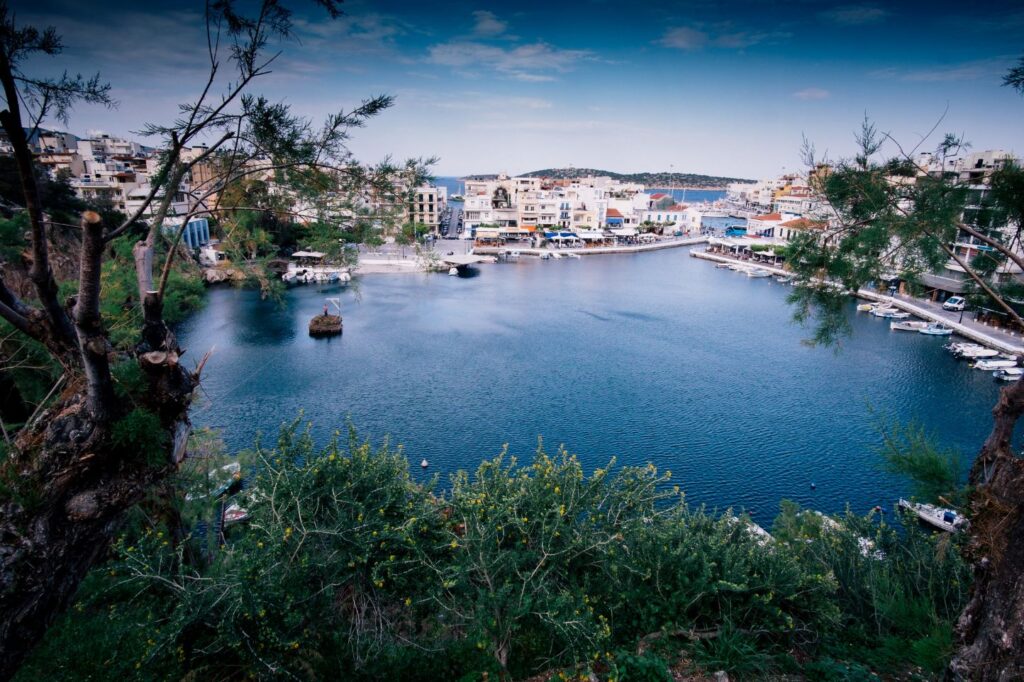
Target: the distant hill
pixel 648 179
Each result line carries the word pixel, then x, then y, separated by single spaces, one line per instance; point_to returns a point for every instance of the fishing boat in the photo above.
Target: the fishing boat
pixel 783 279
pixel 865 307
pixel 1010 374
pixel 907 326
pixel 896 315
pixel 882 310
pixel 937 517
pixel 758 272
pixel 989 365
pixel 936 330
pixel 721 266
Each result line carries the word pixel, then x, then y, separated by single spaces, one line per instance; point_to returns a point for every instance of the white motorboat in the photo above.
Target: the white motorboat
pixel 220 481
pixel 897 315
pixel 908 326
pixel 936 330
pixel 572 255
pixel 973 353
pixel 235 514
pixel 882 310
pixel 454 272
pixel 1010 374
pixel 989 365
pixel 758 272
pixel 865 307
pixel 738 267
pixel 545 255
pixel 556 256
pixel 937 517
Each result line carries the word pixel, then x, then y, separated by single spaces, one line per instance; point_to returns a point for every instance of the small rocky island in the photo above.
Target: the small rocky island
pixel 325 325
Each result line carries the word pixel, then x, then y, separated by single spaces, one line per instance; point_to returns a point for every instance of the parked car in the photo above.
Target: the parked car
pixel 954 303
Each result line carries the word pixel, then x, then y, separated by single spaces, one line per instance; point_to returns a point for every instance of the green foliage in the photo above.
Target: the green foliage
pixel 12 236
pixel 139 434
pixel 936 474
pixel 348 568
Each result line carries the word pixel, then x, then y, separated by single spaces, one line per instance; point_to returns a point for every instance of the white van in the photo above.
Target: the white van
pixel 954 303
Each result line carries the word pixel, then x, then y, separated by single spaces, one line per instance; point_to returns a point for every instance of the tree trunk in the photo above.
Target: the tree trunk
pixel 990 632
pixel 69 487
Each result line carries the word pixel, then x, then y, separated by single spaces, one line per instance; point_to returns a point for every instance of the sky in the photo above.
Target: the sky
pixel 721 88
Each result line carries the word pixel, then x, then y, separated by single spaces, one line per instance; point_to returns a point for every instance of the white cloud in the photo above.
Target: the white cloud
pixel 487 24
pixel 684 38
pixel 811 93
pixel 692 39
pixel 854 15
pixel 985 68
pixel 532 62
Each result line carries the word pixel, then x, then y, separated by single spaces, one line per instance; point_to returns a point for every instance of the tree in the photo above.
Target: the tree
pixel 100 445
pixel 897 217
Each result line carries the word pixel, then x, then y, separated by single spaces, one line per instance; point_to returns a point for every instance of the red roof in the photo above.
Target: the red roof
pixel 768 216
pixel 613 213
pixel 677 207
pixel 659 195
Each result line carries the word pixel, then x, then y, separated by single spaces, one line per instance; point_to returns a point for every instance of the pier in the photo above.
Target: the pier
pixel 979 333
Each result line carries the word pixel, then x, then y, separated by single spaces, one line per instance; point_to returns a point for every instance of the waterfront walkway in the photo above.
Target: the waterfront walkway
pixel 672 243
pixel 974 330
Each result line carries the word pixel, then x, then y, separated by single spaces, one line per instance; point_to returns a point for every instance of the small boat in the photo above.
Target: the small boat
pixel 556 256
pixel 938 517
pixel 1010 374
pixel 936 330
pixel 290 277
pixel 721 266
pixel 988 365
pixel 454 272
pixel 572 255
pixel 782 279
pixel 738 267
pixel 220 480
pixel 973 353
pixel 907 326
pixel 235 514
pixel 865 307
pixel 758 272
pixel 513 254
pixel 424 463
pixel 897 315
pixel 545 255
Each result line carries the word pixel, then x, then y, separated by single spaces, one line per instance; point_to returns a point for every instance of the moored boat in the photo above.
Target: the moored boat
pixel 935 329
pixel 989 365
pixel 759 272
pixel 937 517
pixel 865 307
pixel 908 326
pixel 1010 374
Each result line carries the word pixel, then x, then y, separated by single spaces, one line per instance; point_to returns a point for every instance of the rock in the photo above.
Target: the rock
pixel 721 676
pixel 215 276
pixel 325 325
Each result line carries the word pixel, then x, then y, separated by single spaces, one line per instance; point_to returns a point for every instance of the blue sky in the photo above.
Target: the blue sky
pixel 711 87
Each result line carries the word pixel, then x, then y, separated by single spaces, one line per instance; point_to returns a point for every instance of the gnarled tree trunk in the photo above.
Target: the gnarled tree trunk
pixel 990 632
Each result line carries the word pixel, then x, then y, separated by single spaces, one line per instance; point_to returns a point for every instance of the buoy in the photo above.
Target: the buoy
pixel 813 486
pixel 424 464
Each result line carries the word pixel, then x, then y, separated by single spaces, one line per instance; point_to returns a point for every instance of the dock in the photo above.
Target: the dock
pixel 965 330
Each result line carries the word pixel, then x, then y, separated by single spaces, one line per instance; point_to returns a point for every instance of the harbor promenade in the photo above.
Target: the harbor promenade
pixel 1001 340
pixel 671 243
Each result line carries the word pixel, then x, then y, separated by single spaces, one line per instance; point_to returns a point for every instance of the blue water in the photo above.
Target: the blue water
pixel 649 357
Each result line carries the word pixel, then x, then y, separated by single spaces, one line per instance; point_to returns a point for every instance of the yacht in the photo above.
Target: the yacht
pixel 1010 374
pixel 989 365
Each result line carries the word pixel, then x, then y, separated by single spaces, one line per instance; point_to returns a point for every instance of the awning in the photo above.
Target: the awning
pixel 624 232
pixel 591 235
pixel 482 233
pixel 308 254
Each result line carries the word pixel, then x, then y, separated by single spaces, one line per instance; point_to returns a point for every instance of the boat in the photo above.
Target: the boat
pixel 1010 374
pixel 758 272
pixel 897 315
pixel 424 463
pixel 220 479
pixel 738 267
pixel 235 514
pixel 545 255
pixel 988 365
pixel 865 307
pixel 937 517
pixel 973 353
pixel 783 279
pixel 454 272
pixel 556 256
pixel 572 255
pixel 936 330
pixel 881 310
pixel 908 326
pixel 721 266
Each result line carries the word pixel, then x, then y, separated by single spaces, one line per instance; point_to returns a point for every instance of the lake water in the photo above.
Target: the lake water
pixel 649 357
